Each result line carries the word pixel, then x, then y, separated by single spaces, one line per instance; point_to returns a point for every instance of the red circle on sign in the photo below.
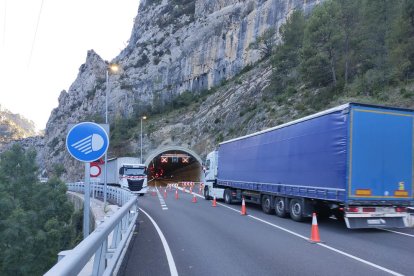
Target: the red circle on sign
pixel 95 171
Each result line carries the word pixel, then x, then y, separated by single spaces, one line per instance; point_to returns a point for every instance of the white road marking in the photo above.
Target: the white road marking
pixel 161 199
pixel 396 232
pixel 320 244
pixel 361 260
pixel 170 259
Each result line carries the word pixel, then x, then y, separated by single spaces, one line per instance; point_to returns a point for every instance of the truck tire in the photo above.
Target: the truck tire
pixel 227 196
pixel 207 193
pixel 296 208
pixel 267 204
pixel 338 214
pixel 280 208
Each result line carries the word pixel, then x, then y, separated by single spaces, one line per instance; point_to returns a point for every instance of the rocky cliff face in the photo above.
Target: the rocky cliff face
pixel 175 46
pixel 14 127
pixel 195 45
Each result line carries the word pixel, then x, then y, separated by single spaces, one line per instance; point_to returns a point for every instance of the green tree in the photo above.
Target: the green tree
pixel 349 19
pixel 373 46
pixel 35 221
pixel 286 58
pixel 265 43
pixel 321 46
pixel 402 42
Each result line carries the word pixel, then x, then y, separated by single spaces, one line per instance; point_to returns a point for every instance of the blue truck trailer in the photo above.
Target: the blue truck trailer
pixel 354 161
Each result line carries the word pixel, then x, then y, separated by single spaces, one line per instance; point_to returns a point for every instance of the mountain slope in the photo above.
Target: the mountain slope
pixel 14 127
pixel 205 71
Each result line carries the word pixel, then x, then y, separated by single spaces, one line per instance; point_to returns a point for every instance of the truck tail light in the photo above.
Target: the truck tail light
pixel 352 209
pixel 368 209
pixel 400 209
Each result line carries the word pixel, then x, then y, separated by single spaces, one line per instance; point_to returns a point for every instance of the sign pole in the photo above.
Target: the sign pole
pixel 87 142
pixel 86 202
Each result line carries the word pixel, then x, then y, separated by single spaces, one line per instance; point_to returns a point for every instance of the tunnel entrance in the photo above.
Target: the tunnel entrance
pixel 173 164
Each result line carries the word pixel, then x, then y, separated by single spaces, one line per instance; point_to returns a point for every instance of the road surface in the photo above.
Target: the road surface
pixel 202 240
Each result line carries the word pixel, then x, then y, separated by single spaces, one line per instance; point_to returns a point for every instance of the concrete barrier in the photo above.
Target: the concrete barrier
pixel 77 201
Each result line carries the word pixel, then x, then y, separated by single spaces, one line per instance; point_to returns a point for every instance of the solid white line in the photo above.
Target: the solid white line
pixel 278 227
pixel 361 260
pixel 396 232
pixel 170 259
pixel 321 244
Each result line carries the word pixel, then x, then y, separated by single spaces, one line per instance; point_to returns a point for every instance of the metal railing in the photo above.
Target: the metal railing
pixel 114 195
pixel 118 227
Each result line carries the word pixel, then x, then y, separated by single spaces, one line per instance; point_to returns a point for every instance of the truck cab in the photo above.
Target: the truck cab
pixel 134 178
pixel 210 177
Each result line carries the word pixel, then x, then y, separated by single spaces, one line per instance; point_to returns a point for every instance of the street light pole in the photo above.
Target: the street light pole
pixel 110 68
pixel 142 118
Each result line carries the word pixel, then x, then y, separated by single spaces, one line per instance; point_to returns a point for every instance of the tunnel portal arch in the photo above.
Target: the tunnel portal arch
pixel 173 164
pixel 157 152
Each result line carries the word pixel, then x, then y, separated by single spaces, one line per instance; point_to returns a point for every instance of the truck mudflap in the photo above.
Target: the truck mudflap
pixel 410 211
pixel 355 221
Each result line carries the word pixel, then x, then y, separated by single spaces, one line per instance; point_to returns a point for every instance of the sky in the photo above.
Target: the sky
pixel 44 42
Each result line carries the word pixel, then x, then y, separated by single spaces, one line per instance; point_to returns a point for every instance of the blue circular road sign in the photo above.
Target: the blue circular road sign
pixel 87 141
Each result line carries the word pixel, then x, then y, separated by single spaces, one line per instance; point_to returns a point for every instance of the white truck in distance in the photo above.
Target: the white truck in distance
pixel 128 173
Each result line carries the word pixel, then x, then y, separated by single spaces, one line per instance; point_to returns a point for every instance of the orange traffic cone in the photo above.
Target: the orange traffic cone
pixel 315 231
pixel 191 190
pixel 165 193
pixel 243 209
pixel 214 202
pixel 176 194
pixel 194 200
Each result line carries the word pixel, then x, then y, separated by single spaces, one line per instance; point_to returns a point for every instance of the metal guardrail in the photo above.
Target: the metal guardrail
pixel 114 194
pixel 120 225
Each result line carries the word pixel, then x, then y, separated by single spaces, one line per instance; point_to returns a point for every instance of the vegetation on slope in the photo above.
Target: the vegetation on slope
pixel 36 219
pixel 346 48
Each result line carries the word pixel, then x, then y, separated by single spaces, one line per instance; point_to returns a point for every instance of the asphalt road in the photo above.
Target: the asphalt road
pixel 204 240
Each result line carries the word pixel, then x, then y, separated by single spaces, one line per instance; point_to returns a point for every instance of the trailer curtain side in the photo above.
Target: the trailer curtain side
pixel 308 158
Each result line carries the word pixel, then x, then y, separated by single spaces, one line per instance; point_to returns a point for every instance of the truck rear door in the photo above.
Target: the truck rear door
pixel 380 155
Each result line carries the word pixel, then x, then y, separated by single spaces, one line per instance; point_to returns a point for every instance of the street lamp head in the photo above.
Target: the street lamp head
pixel 113 68
pixel 144 117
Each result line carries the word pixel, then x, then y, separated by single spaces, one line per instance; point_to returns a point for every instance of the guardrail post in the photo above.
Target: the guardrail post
pixel 99 262
pixel 116 238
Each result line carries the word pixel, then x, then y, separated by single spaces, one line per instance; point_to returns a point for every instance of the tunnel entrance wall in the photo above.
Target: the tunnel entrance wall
pixel 157 152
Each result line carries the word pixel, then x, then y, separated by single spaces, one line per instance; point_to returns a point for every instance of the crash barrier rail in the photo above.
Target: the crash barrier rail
pixel 113 194
pixel 121 225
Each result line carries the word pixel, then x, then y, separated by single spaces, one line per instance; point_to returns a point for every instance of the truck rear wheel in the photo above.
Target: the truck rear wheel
pixel 338 214
pixel 206 193
pixel 280 207
pixel 267 204
pixel 296 208
pixel 227 196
